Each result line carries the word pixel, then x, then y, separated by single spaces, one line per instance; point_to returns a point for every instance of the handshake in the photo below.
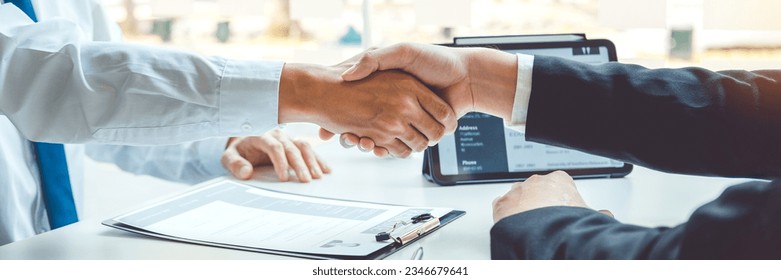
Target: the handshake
pixel 398 99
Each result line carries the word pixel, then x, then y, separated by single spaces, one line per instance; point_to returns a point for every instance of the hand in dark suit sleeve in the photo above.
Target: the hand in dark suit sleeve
pixel 688 120
pixel 741 224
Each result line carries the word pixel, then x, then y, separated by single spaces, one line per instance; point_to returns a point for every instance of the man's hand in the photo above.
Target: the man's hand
pixel 274 147
pixel 469 79
pixel 392 108
pixel 554 189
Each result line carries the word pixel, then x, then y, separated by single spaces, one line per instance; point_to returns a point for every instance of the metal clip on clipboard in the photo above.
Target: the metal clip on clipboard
pixel 403 231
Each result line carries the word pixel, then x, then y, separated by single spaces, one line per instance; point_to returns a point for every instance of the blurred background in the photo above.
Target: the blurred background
pixel 656 33
pixel 722 34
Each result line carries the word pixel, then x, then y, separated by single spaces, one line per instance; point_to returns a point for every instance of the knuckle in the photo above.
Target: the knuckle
pixel 303 144
pixel 405 154
pixel 437 133
pixel 291 149
pixel 405 48
pixel 396 129
pixel 225 160
pixel 275 146
pixel 561 175
pixel 413 137
pixel 367 57
pixel 420 144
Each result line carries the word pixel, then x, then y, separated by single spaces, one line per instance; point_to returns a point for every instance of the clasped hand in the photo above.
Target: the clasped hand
pixel 394 109
pixel 467 79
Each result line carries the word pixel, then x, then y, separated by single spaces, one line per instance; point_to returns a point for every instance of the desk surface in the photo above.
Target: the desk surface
pixel 645 197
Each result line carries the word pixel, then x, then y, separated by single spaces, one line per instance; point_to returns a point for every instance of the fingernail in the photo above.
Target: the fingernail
pixel 363 149
pixel 245 171
pixel 316 171
pixel 345 142
pixel 305 174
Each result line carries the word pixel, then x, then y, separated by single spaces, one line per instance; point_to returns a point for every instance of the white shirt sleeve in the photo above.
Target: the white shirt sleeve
pixel 191 162
pixel 523 89
pixel 56 85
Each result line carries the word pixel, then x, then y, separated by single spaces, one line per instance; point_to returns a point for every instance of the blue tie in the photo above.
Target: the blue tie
pixel 26 6
pixel 55 183
pixel 55 180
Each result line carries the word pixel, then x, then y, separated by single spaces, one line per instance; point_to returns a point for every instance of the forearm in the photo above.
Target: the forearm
pixel 301 93
pixel 191 162
pixel 740 224
pixel 492 76
pixel 710 123
pixel 578 233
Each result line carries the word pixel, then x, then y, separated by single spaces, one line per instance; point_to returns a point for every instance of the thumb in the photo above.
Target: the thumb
pixel 367 65
pixel 238 166
pixel 398 56
pixel 325 134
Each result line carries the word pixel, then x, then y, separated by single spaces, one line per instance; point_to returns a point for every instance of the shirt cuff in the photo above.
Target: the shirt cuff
pixel 249 97
pixel 209 153
pixel 523 88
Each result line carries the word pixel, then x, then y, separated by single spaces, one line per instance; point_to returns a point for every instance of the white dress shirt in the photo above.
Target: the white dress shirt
pixel 523 90
pixel 114 93
pixel 65 79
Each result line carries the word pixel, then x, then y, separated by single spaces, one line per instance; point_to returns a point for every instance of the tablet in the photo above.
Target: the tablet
pixel 483 150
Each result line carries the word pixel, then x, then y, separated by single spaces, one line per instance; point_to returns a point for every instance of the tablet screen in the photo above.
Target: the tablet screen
pixel 482 149
pixel 482 144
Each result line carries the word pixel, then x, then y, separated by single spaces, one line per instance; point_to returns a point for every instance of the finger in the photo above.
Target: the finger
pixel 398 149
pixel 354 59
pixel 381 152
pixel 325 134
pixel 606 212
pixel 393 57
pixel 430 128
pixel 366 144
pixel 308 155
pixel 348 140
pixel 237 165
pixel 443 115
pixel 323 166
pixel 276 153
pixel 296 161
pixel 496 201
pixel 413 139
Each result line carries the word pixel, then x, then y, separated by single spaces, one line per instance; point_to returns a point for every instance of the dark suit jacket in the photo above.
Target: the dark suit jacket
pixel 688 120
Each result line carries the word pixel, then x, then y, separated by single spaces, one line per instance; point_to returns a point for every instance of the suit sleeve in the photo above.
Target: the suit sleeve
pixel 740 224
pixel 688 120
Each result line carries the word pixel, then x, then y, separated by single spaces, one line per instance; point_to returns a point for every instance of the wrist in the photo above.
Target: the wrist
pixel 299 86
pixel 493 76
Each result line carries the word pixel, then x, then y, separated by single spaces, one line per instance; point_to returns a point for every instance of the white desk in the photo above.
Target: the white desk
pixel 645 197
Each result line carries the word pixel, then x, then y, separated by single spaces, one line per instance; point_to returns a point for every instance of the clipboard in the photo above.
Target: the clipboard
pixel 376 250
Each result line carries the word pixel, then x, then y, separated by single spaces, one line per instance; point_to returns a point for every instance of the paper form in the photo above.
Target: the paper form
pixel 236 214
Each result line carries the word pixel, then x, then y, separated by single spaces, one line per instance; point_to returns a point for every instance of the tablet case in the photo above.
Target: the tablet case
pixel 428 161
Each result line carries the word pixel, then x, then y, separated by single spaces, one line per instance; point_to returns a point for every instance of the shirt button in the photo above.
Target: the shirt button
pixel 246 127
